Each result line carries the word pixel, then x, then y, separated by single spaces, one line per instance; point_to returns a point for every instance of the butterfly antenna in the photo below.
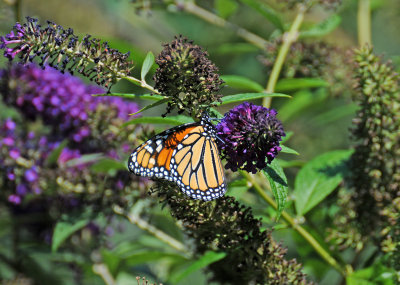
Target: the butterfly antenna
pixel 221 140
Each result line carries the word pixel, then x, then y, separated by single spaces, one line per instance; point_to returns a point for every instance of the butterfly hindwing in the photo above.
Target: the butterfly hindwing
pixel 186 155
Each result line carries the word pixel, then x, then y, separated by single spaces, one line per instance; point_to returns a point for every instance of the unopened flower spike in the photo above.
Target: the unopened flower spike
pixel 61 49
pixel 187 77
pixel 251 136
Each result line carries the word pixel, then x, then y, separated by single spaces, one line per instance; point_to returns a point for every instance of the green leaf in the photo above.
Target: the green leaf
pixel 64 229
pixel 207 259
pixel 249 96
pixel 300 101
pixel 289 134
pixel 162 101
pixel 286 149
pixel 291 84
pixel 323 28
pixel 55 154
pixel 267 11
pixel 86 158
pixel 241 82
pixel 107 164
pixel 318 178
pixel 148 256
pixel 147 64
pixel 278 182
pixel 172 120
pixel 376 274
pixel 291 163
pixel 132 96
pixel 225 8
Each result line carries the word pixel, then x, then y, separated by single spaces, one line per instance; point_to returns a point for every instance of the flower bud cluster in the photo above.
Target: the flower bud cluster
pixel 60 48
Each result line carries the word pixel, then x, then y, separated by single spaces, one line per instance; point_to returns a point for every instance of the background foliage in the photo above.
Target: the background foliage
pixel 130 234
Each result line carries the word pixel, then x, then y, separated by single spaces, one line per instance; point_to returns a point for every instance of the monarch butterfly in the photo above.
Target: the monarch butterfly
pixel 187 155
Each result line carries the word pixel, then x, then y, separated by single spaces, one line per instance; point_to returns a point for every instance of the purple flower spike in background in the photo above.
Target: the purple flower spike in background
pixel 251 136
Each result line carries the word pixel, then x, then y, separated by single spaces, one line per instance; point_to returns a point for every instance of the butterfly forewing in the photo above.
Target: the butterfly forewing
pixel 186 155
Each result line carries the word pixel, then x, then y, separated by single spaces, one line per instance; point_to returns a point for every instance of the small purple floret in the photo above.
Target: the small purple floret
pixel 14 199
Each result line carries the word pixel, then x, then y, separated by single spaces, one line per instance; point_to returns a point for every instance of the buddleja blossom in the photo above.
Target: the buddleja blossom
pixel 20 161
pixel 252 256
pixel 250 137
pixel 61 49
pixel 62 101
pixel 187 77
pixel 34 178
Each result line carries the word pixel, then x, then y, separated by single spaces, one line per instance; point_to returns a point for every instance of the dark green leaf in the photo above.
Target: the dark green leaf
pixel 241 82
pixel 318 178
pixel 286 149
pixel 225 8
pixel 55 154
pixel 171 120
pixel 249 96
pixel 323 28
pixel 65 229
pixel 291 84
pixel 108 164
pixel 162 101
pixel 207 259
pixel 267 11
pixel 147 64
pixel 278 182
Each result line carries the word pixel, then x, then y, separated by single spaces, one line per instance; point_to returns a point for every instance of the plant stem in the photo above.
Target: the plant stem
pixel 17 10
pixel 288 39
pixel 141 83
pixel 102 270
pixel 142 224
pixel 192 8
pixel 364 23
pixel 344 270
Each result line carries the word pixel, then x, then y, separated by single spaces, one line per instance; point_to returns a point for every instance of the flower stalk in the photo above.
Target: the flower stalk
pixel 142 224
pixel 288 39
pixel 364 23
pixel 192 8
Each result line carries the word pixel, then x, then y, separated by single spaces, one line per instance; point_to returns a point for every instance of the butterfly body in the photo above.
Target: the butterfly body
pixel 186 155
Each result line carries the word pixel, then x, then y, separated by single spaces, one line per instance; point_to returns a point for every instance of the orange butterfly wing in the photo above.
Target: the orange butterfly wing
pixel 186 155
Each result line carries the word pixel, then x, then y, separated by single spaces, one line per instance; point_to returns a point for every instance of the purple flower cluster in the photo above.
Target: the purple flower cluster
pixel 251 136
pixel 60 100
pixel 65 104
pixel 14 37
pixel 20 161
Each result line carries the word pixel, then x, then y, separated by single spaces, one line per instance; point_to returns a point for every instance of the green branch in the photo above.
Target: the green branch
pixel 207 16
pixel 364 23
pixel 142 224
pixel 288 39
